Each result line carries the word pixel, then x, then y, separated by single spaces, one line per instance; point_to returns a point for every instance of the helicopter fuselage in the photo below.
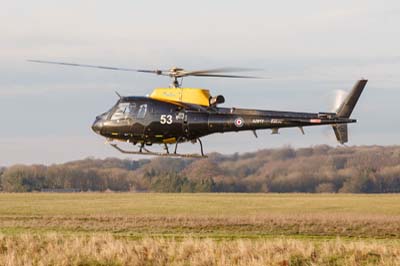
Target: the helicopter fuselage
pixel 150 121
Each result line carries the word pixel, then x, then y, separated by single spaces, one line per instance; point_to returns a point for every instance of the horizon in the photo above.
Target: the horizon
pixel 210 155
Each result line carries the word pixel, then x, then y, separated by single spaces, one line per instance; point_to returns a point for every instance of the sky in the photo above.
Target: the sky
pixel 308 50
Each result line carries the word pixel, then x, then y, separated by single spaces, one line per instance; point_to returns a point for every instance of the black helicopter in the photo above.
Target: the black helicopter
pixel 175 115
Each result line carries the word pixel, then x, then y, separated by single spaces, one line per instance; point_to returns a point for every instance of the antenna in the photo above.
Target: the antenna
pixel 119 95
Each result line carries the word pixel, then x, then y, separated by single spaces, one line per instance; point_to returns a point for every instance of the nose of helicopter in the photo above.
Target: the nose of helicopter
pixel 97 125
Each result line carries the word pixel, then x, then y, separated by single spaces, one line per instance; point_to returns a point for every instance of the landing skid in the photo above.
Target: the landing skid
pixel 144 151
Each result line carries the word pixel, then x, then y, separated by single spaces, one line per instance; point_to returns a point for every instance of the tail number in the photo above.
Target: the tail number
pixel 166 119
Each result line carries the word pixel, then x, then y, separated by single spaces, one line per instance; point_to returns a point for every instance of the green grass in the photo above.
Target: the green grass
pixel 220 216
pixel 227 205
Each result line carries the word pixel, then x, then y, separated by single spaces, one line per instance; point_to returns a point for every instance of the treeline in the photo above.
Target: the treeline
pixel 365 169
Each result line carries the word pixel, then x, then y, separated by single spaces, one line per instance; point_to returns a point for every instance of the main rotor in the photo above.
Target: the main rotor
pixel 175 73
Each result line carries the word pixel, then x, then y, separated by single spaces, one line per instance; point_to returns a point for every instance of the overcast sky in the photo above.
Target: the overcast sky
pixel 309 49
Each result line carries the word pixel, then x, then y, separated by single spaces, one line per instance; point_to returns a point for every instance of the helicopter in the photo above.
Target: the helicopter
pixel 175 114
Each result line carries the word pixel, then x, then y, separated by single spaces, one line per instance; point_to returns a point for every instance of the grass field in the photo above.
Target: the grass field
pixel 199 229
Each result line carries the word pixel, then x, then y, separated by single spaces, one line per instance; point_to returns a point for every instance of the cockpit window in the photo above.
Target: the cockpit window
pixel 142 111
pixel 132 110
pixel 121 111
pixel 126 110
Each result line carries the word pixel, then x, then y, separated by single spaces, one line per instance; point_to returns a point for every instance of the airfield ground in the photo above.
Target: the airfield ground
pixel 199 229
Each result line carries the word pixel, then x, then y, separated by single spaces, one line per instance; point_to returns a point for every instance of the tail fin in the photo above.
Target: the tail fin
pixel 346 108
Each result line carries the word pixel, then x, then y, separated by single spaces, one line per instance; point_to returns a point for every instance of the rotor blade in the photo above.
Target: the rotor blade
pixel 158 72
pixel 218 70
pixel 171 73
pixel 225 76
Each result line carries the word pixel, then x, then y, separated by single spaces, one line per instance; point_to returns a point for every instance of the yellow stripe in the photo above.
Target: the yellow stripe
pixel 170 140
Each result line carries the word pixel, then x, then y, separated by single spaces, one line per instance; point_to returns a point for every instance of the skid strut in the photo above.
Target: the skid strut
pixel 176 144
pixel 201 147
pixel 166 148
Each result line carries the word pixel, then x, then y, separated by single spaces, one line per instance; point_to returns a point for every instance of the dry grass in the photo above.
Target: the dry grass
pixel 55 249
pixel 310 225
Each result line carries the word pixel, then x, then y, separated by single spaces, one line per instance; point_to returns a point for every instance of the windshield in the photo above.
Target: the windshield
pixel 124 111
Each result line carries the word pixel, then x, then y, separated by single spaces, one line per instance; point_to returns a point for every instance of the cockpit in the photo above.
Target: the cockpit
pixel 120 112
pixel 127 110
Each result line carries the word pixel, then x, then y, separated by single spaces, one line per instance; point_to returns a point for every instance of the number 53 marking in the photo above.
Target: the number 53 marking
pixel 166 119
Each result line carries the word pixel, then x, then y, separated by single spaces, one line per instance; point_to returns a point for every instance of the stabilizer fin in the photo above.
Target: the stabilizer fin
pixel 341 133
